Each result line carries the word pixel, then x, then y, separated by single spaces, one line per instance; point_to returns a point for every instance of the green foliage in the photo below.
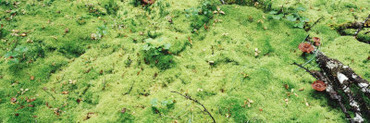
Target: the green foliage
pixel 101 31
pixel 161 107
pixel 156 52
pixel 82 19
pixel 24 53
pixel 262 4
pixel 96 10
pixel 111 6
pixel 135 2
pixel 299 21
pixel 201 15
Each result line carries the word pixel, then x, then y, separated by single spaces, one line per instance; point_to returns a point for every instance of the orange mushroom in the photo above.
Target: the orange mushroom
pixel 306 47
pixel 319 85
pixel 316 40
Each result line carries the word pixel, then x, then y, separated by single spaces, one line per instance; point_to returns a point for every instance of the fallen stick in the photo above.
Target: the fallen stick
pixel 196 101
pixel 338 79
pixel 129 90
pixel 317 21
pixel 361 25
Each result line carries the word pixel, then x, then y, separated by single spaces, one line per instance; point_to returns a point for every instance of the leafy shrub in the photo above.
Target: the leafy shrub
pixel 201 15
pixel 157 52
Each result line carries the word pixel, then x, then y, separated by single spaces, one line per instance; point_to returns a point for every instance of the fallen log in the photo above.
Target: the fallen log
pixel 339 80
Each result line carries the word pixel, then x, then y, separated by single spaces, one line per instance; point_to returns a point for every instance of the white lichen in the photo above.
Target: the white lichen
pixel 354 104
pixel 345 67
pixel 354 76
pixel 363 85
pixel 346 89
pixel 331 64
pixel 329 88
pixel 341 77
pixel 358 118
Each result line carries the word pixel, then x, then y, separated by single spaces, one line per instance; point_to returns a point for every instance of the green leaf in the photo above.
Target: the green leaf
pixel 273 12
pixel 277 17
pixel 299 25
pixel 154 102
pixel 291 18
pixel 149 40
pixel 167 46
pixel 304 19
pixel 21 49
pixel 160 39
pixel 146 47
pixel 13 61
pixel 300 8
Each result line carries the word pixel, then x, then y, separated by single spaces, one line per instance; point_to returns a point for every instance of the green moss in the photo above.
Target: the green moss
pixel 216 64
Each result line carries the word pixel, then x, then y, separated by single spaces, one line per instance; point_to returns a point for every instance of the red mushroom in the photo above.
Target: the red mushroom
pixel 319 85
pixel 306 47
pixel 13 100
pixel 316 40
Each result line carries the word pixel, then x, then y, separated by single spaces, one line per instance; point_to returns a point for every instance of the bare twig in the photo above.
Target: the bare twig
pixel 104 84
pixel 129 90
pixel 308 71
pixel 49 93
pixel 196 101
pixel 317 21
pixel 361 25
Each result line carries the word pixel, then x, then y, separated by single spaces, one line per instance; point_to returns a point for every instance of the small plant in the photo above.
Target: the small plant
pixel 160 107
pixel 111 7
pixel 102 30
pixel 201 15
pixel 300 21
pixel 95 10
pixel 157 51
pixel 16 55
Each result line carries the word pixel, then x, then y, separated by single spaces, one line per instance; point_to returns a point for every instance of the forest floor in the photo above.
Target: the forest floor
pixel 110 61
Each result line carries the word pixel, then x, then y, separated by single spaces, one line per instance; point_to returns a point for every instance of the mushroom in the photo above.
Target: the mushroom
pixel 66 30
pixel 13 100
pixel 148 1
pixel 319 85
pixel 316 40
pixel 306 47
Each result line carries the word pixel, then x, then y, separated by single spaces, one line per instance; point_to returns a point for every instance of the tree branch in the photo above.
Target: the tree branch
pixel 361 26
pixel 196 101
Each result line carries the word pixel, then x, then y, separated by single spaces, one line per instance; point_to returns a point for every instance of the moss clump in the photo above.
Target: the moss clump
pixel 156 52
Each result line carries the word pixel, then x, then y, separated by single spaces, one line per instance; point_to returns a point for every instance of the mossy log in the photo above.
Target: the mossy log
pixel 344 86
pixel 358 26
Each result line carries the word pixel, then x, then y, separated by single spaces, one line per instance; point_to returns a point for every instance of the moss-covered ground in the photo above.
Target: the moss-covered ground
pixel 118 61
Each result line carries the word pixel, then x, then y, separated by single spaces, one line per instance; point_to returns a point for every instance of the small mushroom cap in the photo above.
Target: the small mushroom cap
pixel 306 47
pixel 316 40
pixel 319 85
pixel 13 100
pixel 148 1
